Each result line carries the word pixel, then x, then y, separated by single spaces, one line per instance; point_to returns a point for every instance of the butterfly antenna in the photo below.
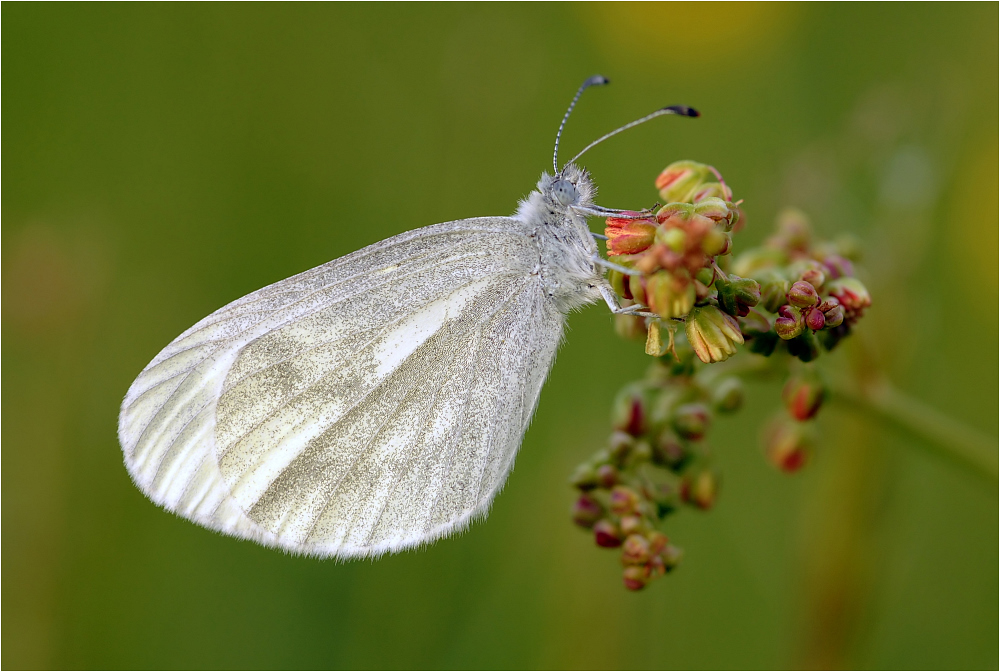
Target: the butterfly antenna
pixel 596 80
pixel 682 110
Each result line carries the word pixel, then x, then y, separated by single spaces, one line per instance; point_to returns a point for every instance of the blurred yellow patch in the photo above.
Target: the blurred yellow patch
pixel 659 35
pixel 972 233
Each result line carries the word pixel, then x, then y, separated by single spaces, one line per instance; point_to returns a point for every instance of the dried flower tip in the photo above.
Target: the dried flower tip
pixel 713 334
pixel 584 478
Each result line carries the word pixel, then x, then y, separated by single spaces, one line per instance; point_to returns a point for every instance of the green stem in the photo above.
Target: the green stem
pixel 941 434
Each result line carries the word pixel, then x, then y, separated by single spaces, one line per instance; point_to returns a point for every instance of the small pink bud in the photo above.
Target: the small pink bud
pixel 606 534
pixel 814 277
pixel 838 267
pixel 587 511
pixel 624 500
pixel 635 550
pixel 815 320
pixel 802 295
pixel 691 421
pixel 853 296
pixel 834 317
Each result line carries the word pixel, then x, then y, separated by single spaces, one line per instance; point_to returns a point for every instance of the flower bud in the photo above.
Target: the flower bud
pixel 737 295
pixel 837 266
pixel 803 395
pixel 773 290
pixel 728 395
pixel 713 190
pixel 680 180
pixel 713 207
pixel 669 296
pixel 712 333
pixel 716 242
pixel 628 413
pixel 632 525
pixel 814 277
pixel 659 338
pixel 833 317
pixel 628 236
pixel 669 451
pixel 700 489
pixel 587 511
pixel 787 444
pixel 635 550
pixel 691 421
pixel 624 500
pixel 607 475
pixel 674 238
pixel 802 295
pixel 635 577
pixel 852 295
pixel 815 319
pixel 789 323
pixel 584 478
pixel 606 534
pixel 671 556
pixel 658 542
pixel 620 444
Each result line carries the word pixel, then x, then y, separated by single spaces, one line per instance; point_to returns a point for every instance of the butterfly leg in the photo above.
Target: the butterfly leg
pixel 616 308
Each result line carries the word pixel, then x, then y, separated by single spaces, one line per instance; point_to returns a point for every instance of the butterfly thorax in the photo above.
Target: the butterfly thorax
pixel 566 248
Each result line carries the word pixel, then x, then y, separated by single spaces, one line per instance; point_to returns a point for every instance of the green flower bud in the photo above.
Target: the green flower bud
pixel 674 238
pixel 773 289
pixel 752 262
pixel 737 295
pixel 691 421
pixel 584 478
pixel 716 242
pixel 728 395
pixel 680 180
pixel 713 334
pixel 789 323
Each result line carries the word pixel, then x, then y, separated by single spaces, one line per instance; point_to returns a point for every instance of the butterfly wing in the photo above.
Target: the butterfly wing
pixel 365 406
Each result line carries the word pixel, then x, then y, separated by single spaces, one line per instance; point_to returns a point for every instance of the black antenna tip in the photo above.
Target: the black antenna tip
pixel 684 110
pixel 597 80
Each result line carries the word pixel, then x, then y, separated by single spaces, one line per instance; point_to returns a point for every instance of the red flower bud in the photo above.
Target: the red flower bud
pixel 606 534
pixel 636 577
pixel 629 236
pixel 624 500
pixel 787 444
pixel 803 395
pixel 587 511
pixel 815 320
pixel 607 475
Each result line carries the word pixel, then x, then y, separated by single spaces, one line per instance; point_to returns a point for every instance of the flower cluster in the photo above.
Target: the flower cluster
pixel 656 461
pixel 785 300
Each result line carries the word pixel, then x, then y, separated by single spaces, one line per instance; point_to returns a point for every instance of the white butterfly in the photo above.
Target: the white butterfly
pixel 376 402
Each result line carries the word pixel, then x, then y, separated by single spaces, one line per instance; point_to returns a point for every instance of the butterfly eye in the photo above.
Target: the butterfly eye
pixel 564 192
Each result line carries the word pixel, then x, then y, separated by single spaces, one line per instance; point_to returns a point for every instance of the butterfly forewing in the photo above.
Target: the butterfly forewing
pixel 370 404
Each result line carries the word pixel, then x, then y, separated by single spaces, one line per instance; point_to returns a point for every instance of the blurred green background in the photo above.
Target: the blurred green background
pixel 162 160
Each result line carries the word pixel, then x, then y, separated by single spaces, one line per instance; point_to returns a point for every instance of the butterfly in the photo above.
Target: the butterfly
pixel 376 402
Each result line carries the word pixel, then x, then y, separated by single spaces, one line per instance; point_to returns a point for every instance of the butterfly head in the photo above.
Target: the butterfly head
pixel 570 187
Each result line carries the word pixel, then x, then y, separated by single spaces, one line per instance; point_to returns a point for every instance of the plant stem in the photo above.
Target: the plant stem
pixel 941 434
